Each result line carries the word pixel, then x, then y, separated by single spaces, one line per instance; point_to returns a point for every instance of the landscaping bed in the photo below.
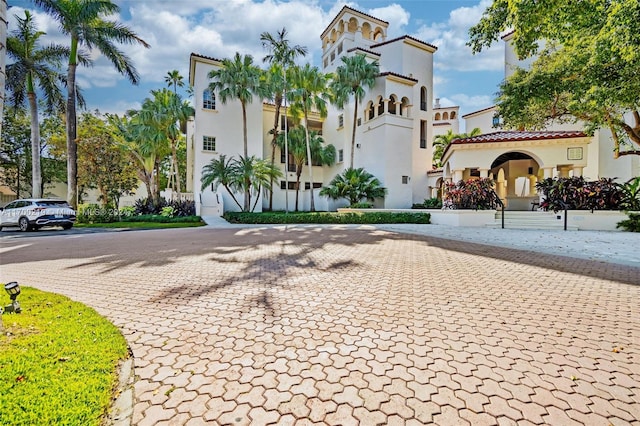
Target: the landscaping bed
pixel 58 362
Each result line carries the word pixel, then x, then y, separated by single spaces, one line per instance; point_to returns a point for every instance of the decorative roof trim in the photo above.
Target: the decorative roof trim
pixel 411 40
pixel 397 76
pixel 353 49
pixel 196 57
pixel 516 136
pixel 478 111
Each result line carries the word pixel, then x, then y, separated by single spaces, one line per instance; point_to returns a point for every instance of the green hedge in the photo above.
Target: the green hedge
pixel 327 218
pixel 160 219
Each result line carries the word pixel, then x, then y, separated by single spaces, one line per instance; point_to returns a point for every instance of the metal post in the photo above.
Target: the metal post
pixel 565 218
pixel 286 146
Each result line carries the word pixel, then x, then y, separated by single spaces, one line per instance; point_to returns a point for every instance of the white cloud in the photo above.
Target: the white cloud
pixel 396 16
pixel 451 38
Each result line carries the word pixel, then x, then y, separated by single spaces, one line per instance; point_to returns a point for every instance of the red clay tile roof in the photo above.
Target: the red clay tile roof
pixel 353 49
pixel 480 110
pixel 514 136
pixel 197 55
pixel 508 136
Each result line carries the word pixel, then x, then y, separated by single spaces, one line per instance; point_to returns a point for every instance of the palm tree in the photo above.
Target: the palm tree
pixel 440 143
pixel 220 171
pixel 173 78
pixel 87 23
pixel 239 79
pixel 310 89
pixel 247 174
pixel 161 118
pixel 281 55
pixel 352 78
pixel 34 66
pixel 354 185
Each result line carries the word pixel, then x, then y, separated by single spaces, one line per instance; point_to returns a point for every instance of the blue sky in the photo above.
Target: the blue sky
pixel 219 28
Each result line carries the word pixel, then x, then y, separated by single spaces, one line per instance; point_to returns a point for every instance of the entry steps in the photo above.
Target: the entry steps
pixel 531 220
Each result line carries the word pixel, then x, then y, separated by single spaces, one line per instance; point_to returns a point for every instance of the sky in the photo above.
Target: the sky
pixel 219 28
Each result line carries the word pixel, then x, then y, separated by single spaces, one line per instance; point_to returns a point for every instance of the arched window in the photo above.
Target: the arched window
pixel 423 98
pixel 453 115
pixel 378 34
pixel 392 104
pixel 370 111
pixel 352 27
pixel 366 31
pixel 437 117
pixel 380 106
pixel 208 100
pixel 404 105
pixel 445 115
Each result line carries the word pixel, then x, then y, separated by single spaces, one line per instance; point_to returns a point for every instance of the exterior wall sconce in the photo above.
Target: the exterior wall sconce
pixel 13 290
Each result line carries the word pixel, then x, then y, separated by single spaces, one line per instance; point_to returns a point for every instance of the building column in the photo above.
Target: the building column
pixel 532 185
pixel 577 171
pixel 563 171
pixel 484 173
pixel 457 175
pixel 548 172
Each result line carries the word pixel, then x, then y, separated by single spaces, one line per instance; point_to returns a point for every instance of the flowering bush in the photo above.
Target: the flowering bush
pixel 472 194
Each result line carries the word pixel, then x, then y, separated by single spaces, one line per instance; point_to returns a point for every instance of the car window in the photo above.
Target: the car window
pixel 52 203
pixel 11 205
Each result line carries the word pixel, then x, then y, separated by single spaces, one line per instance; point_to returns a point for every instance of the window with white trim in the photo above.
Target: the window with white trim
pixel 209 143
pixel 341 120
pixel 340 155
pixel 208 100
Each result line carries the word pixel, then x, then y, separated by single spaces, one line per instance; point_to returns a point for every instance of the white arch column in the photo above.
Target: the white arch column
pixel 577 171
pixel 484 173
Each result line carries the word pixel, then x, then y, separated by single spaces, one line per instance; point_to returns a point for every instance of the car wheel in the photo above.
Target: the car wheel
pixel 23 223
pixel 67 227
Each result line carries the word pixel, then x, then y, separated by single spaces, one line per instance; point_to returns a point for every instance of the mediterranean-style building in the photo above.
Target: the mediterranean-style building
pixel 395 127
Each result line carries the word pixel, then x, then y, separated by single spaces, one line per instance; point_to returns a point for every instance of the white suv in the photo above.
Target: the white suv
pixel 35 213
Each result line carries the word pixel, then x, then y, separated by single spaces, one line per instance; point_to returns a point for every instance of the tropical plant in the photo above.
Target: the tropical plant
pixel 472 194
pixel 160 119
pixel 281 56
pixel 632 224
pixel 351 78
pixel 34 67
pixel 246 174
pixel 630 192
pixel 440 143
pixel 145 150
pixel 87 23
pixel 239 79
pixel 576 193
pixel 299 150
pixel 308 94
pixel 584 64
pixel 354 185
pixel 173 78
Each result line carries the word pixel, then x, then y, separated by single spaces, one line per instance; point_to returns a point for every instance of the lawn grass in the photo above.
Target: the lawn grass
pixel 140 225
pixel 58 362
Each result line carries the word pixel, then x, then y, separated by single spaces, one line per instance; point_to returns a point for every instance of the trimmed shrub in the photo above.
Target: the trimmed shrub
pixel 429 203
pixel 145 206
pixel 361 206
pixel 182 208
pixel 93 213
pixel 161 219
pixel 327 218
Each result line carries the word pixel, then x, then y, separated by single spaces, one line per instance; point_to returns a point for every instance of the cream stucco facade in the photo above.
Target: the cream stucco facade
pixel 394 129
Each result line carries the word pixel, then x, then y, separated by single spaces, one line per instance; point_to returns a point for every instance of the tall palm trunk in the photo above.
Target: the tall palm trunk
pixel 276 126
pixel 174 158
pixel 36 170
pixel 298 173
pixel 247 182
pixel 72 143
pixel 312 206
pixel 353 132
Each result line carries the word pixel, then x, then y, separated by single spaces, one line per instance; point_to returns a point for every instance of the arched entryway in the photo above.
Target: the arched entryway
pixel 516 174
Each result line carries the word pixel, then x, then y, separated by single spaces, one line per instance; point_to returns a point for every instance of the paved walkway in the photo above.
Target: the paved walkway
pixel 347 325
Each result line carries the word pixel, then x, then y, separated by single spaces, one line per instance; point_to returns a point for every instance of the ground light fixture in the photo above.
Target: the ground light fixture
pixel 13 289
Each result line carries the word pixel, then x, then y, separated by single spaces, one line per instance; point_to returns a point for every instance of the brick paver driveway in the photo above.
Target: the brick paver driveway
pixel 347 326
